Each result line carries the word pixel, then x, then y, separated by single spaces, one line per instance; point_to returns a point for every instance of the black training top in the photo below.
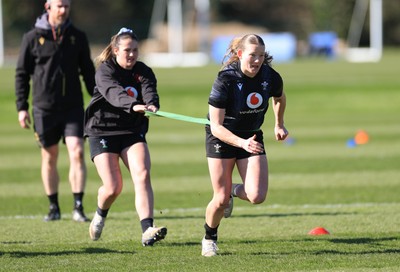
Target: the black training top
pixel 117 91
pixel 244 99
pixel 54 60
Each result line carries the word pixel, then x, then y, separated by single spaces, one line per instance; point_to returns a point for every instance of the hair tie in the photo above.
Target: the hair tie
pixel 128 31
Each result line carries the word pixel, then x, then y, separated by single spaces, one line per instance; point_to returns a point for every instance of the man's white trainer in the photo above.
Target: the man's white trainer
pixel 153 234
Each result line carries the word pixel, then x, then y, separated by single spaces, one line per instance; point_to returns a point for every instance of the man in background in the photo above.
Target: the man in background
pixel 54 54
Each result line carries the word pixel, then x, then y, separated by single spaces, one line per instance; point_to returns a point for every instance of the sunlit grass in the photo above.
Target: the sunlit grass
pixel 315 180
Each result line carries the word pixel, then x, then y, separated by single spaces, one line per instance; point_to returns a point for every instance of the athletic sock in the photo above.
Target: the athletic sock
pixel 102 213
pixel 211 233
pixel 54 200
pixel 78 200
pixel 146 223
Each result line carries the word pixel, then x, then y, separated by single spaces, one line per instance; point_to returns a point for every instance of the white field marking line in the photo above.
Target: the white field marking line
pixel 259 207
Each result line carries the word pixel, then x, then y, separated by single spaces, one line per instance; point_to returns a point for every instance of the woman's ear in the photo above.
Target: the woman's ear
pixel 239 53
pixel 115 51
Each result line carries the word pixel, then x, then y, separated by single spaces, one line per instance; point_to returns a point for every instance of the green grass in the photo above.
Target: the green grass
pixel 317 181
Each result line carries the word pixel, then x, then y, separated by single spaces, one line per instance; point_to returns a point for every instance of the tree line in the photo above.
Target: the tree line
pixel 100 19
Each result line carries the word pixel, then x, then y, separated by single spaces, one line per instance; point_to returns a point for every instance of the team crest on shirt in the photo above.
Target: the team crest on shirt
pixel 137 78
pixel 131 91
pixel 264 85
pixel 254 100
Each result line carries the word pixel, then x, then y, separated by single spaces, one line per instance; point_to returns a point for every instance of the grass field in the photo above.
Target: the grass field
pixel 316 180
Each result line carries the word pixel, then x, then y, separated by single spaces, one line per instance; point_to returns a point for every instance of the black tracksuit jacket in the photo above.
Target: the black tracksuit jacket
pixel 55 66
pixel 117 91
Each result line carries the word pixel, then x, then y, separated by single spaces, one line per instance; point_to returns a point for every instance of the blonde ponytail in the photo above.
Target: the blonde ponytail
pixel 108 53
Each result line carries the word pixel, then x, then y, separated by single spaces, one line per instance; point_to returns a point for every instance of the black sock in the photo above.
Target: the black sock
pixel 234 189
pixel 146 223
pixel 211 233
pixel 102 213
pixel 54 201
pixel 78 200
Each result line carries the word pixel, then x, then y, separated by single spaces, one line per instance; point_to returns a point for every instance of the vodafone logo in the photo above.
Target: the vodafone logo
pixel 131 91
pixel 254 100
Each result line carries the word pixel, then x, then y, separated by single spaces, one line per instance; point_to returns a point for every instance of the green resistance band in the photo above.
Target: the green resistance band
pixel 179 117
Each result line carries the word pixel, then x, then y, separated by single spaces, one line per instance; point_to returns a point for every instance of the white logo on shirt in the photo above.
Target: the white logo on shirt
pixel 240 85
pixel 254 100
pixel 131 91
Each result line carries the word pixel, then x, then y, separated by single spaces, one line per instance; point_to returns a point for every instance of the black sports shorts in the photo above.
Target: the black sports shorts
pixel 51 126
pixel 215 148
pixel 113 144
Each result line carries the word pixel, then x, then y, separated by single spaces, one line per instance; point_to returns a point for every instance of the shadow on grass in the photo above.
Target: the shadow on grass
pixel 359 252
pixel 372 246
pixel 180 217
pixel 183 217
pixel 295 214
pixel 363 240
pixel 15 242
pixel 358 240
pixel 90 250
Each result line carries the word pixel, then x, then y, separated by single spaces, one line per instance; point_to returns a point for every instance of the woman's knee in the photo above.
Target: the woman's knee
pixel 142 175
pixel 221 201
pixel 257 197
pixel 110 192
